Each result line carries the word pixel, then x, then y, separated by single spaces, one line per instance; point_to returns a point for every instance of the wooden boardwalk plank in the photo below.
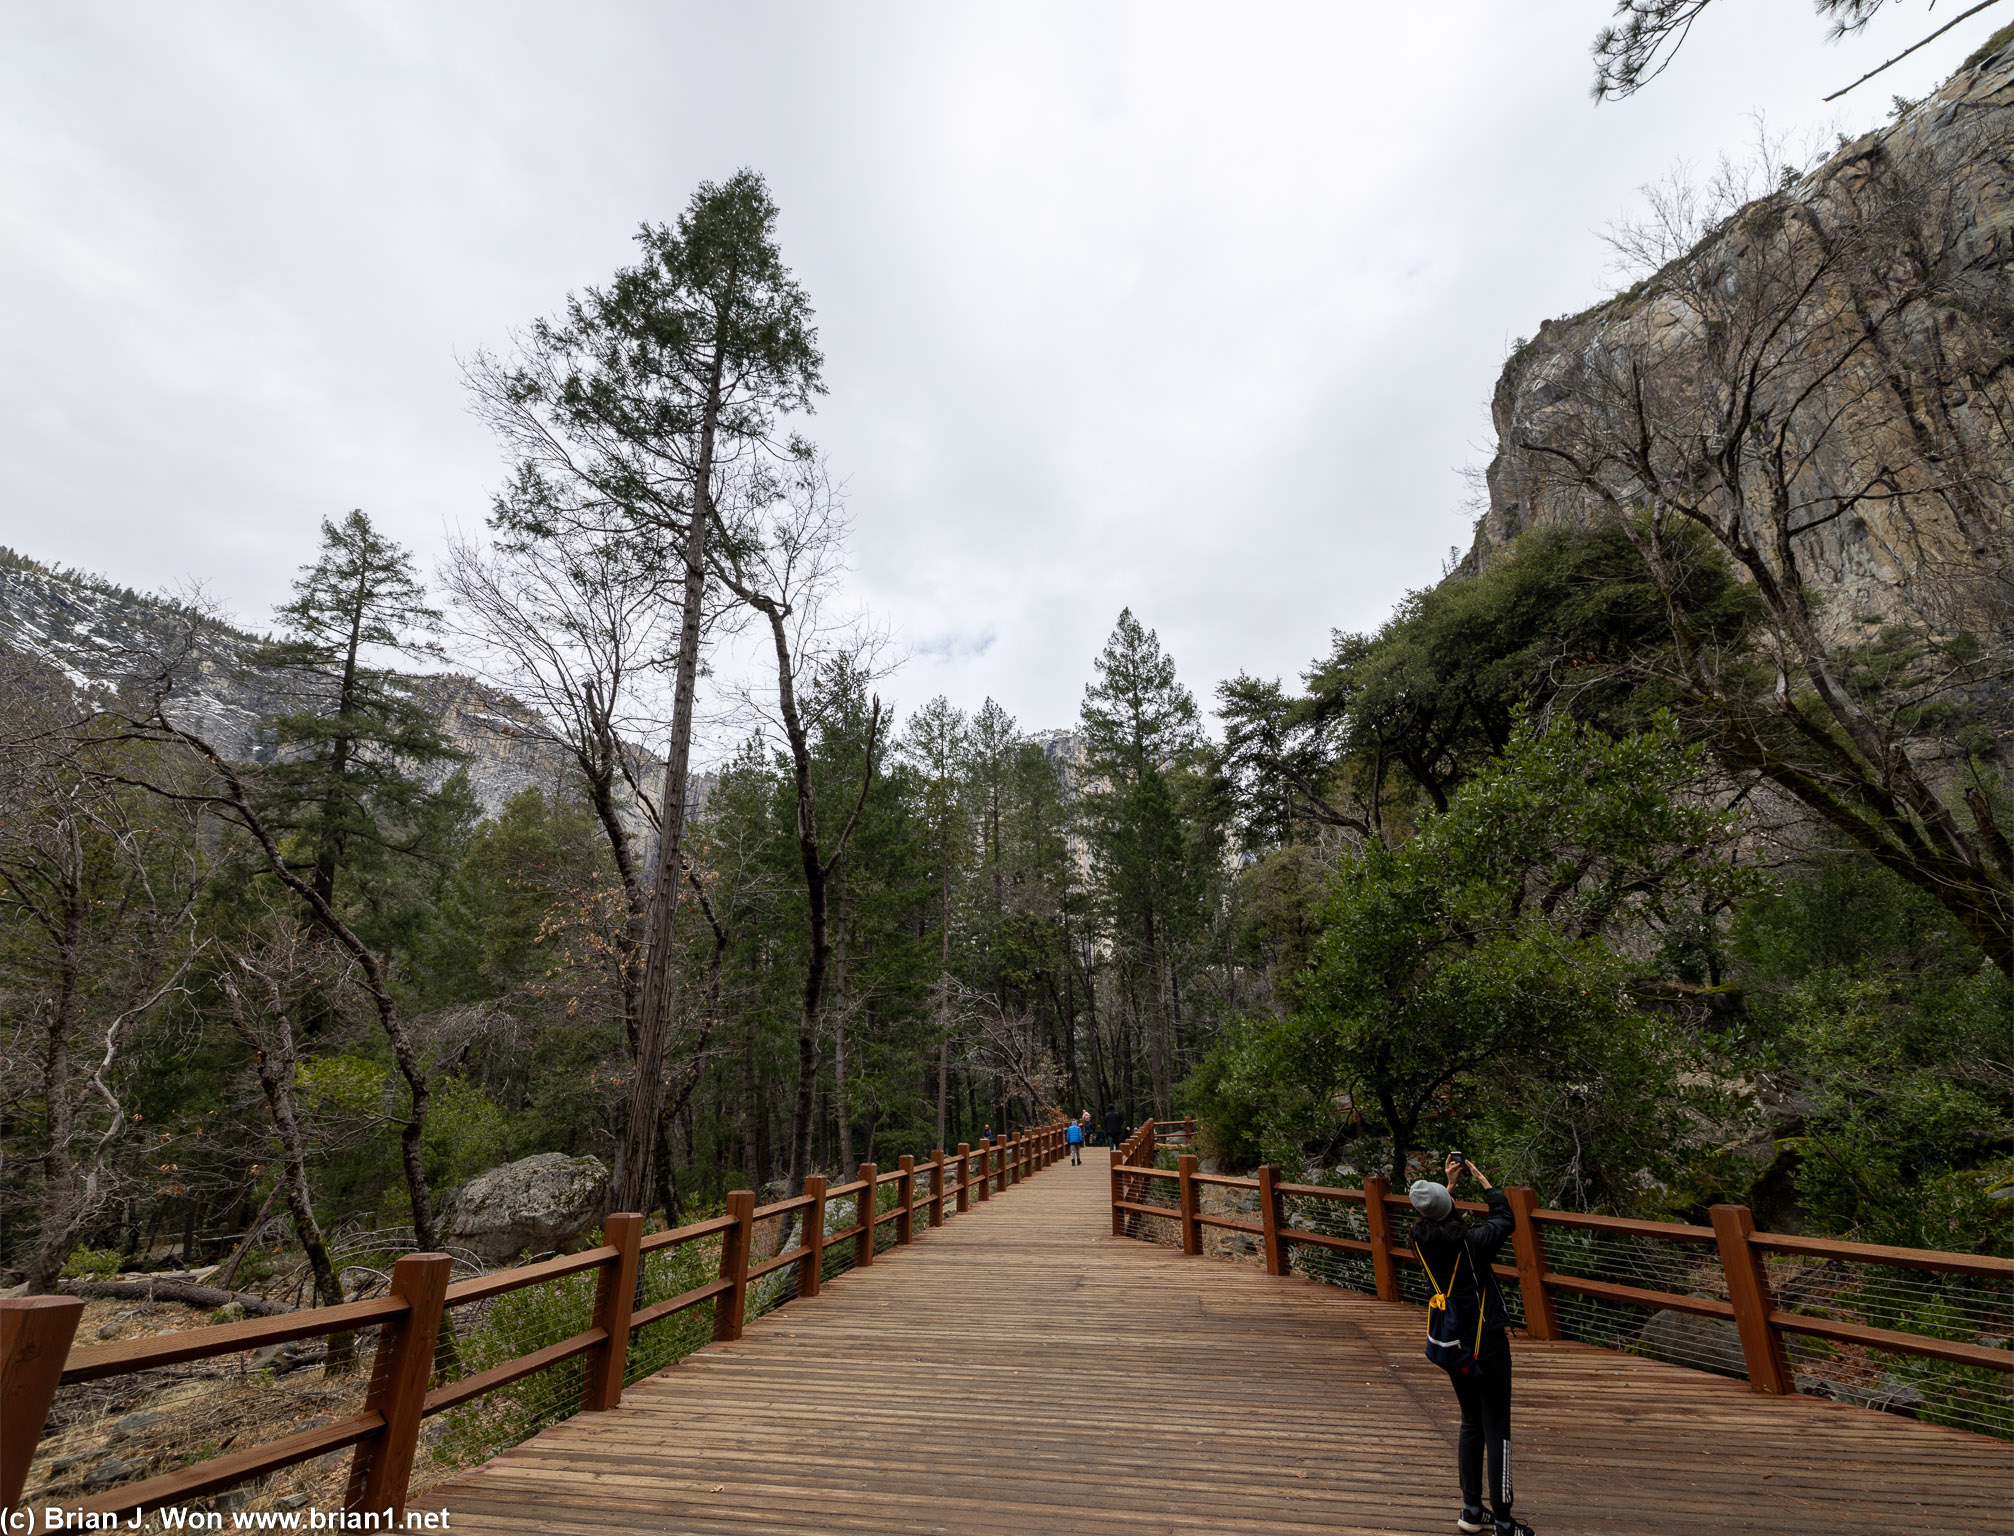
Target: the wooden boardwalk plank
pixel 1020 1370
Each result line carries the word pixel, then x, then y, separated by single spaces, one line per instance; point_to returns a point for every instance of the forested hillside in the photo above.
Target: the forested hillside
pixel 1653 857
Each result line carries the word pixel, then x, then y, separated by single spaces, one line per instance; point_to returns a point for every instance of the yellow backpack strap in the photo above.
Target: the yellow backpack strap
pixel 1440 1297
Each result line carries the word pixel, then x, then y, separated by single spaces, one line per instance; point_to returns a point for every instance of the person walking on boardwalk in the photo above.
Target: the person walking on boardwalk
pixel 1075 1136
pixel 1466 1338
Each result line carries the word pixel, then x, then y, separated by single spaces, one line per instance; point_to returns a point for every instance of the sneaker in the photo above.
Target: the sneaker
pixel 1474 1521
pixel 1510 1525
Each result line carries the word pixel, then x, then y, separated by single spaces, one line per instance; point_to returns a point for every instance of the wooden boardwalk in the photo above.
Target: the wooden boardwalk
pixel 1022 1371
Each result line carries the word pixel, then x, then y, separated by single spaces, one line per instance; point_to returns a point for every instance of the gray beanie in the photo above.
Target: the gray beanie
pixel 1432 1200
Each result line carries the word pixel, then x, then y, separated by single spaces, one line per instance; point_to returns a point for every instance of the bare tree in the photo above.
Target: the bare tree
pixel 110 903
pixel 778 551
pixel 575 624
pixel 269 1035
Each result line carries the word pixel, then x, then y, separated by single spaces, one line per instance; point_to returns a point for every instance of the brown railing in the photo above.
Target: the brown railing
pixel 1811 1314
pixel 37 1353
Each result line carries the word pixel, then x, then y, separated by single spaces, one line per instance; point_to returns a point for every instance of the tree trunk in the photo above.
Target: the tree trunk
pixel 57 1225
pixel 654 1010
pixel 276 1081
pixel 842 1104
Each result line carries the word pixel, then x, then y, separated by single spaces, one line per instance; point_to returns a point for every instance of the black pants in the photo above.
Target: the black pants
pixel 1486 1407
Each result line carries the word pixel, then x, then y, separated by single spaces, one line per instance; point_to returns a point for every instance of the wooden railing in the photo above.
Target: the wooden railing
pixel 1761 1319
pixel 37 1353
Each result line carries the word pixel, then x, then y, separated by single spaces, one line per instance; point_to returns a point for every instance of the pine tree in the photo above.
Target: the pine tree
pixel 1140 725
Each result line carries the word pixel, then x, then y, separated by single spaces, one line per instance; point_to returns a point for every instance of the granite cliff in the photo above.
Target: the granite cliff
pixel 95 639
pixel 1923 411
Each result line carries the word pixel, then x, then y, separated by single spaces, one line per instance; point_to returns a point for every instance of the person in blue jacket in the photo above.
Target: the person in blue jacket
pixel 1457 1259
pixel 1075 1136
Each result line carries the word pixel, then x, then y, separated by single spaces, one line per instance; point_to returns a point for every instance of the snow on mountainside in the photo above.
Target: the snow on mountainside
pixel 102 639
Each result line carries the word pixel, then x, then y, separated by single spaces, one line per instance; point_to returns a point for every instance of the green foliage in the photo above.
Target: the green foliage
pixel 1467 981
pixel 466 1133
pixel 1891 1032
pixel 92 1264
pixel 344 1086
pixel 1568 619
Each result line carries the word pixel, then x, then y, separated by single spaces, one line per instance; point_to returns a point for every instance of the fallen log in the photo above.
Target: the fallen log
pixel 173 1290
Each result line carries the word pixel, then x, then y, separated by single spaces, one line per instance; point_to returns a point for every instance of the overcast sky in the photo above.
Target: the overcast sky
pixel 1190 308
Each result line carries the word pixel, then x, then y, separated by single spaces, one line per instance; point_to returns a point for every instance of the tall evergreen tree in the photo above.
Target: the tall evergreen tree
pixel 935 745
pixel 346 787
pixel 1140 725
pixel 626 414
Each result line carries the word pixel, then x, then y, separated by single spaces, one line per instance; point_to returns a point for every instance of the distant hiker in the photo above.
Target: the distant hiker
pixel 1114 1126
pixel 1465 1337
pixel 1085 1121
pixel 1075 1136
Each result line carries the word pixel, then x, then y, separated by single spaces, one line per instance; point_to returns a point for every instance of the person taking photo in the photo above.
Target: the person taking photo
pixel 1466 1337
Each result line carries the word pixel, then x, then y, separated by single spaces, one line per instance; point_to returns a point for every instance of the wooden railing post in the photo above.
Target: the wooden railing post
pixel 811 1268
pixel 731 1303
pixel 984 1188
pixel 1379 1225
pixel 964 1177
pixel 383 1464
pixel 870 1200
pixel 614 1295
pixel 1185 1185
pixel 1748 1289
pixel 1271 1218
pixel 1145 1159
pixel 1118 1194
pixel 35 1335
pixel 936 1186
pixel 1541 1317
pixel 905 1199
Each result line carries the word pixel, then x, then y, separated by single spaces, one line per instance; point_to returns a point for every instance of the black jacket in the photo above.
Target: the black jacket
pixel 1115 1125
pixel 1444 1258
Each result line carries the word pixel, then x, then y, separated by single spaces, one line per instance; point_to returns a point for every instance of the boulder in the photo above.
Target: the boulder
pixel 1704 1343
pixel 537 1204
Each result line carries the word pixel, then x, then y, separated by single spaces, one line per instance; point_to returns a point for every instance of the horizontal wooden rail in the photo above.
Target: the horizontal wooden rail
pixel 1324 1240
pixel 456 1393
pixel 1321 1192
pixel 1622 1226
pixel 226 1471
pixel 1982 1265
pixel 38 1352
pixel 684 1300
pixel 94 1362
pixel 1670 1301
pixel 1741 1250
pixel 503 1281
pixel 1950 1350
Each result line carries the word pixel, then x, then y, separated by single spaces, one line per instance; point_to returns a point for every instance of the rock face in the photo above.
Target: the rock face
pixel 1923 403
pixel 1704 1343
pixel 534 1205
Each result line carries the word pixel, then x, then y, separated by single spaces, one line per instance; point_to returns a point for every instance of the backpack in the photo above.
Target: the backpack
pixel 1448 1347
